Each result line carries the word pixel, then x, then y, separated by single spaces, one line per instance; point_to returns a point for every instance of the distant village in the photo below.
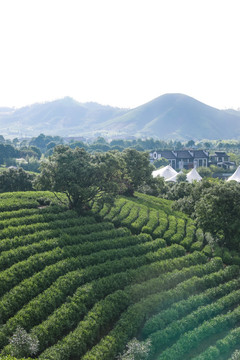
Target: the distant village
pixel 189 159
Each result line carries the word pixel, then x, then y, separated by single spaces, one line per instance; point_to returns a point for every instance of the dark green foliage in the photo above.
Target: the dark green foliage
pixel 181 177
pixel 7 152
pixel 33 164
pixel 81 176
pixel 138 169
pixel 204 171
pixel 15 180
pixel 160 162
pixel 218 212
pixel 186 195
pixel 41 142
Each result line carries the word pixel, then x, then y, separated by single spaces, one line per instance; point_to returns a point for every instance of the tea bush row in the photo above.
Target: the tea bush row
pixel 75 229
pixel 13 231
pixel 71 312
pixel 191 339
pixel 184 307
pixel 92 241
pixel 94 325
pixel 165 338
pixel 108 262
pixel 134 317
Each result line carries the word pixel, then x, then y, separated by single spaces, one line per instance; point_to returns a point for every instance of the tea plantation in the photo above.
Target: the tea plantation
pixel 86 285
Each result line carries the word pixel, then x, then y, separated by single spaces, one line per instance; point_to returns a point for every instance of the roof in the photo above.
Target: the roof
pixel 200 154
pixel 193 175
pixel 166 172
pixel 235 176
pixel 167 154
pixel 220 153
pixel 184 154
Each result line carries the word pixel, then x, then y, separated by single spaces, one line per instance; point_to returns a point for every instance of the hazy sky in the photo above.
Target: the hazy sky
pixel 119 52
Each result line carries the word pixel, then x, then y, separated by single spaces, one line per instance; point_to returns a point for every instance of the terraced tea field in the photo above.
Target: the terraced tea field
pixel 87 285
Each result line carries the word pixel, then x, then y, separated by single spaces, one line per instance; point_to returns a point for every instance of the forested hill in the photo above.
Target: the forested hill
pixel 64 117
pixel 170 116
pixel 177 116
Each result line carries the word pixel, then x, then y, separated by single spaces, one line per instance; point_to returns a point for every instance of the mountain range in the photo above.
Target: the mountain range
pixel 170 116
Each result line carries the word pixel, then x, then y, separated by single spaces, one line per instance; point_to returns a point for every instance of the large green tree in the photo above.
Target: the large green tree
pixel 218 212
pixel 7 152
pixel 138 169
pixel 81 176
pixel 16 180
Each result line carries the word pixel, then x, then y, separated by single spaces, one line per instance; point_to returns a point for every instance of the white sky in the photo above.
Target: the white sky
pixel 119 52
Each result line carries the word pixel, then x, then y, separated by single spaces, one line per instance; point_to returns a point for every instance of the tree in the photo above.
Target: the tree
pixel 207 145
pixel 181 177
pixel 37 151
pixel 118 142
pixel 204 171
pixel 160 162
pixel 81 176
pixel 23 344
pixel 15 180
pixel 42 140
pixel 218 212
pixel 155 187
pixel 79 144
pixel 15 141
pixel 190 143
pixel 32 164
pixel 39 142
pixel 138 169
pixel 136 350
pixel 99 147
pixel 186 194
pixel 6 152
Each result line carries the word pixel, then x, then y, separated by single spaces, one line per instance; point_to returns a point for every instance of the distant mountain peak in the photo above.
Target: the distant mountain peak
pixel 169 116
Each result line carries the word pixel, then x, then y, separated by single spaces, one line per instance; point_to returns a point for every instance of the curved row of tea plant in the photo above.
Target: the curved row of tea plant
pixel 28 199
pixel 130 297
pixel 85 288
pixel 106 260
pixel 183 308
pixel 133 319
pixel 67 242
pixel 172 226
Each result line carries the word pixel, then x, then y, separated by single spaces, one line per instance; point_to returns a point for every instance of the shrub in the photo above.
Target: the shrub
pixel 136 350
pixel 23 344
pixel 236 355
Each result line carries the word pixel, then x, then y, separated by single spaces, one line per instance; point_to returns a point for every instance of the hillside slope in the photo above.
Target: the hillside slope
pixel 170 116
pixel 64 117
pixel 177 116
pixel 84 287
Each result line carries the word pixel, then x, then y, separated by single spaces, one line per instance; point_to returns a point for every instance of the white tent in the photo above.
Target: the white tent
pixel 235 176
pixel 166 172
pixel 193 175
pixel 174 177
